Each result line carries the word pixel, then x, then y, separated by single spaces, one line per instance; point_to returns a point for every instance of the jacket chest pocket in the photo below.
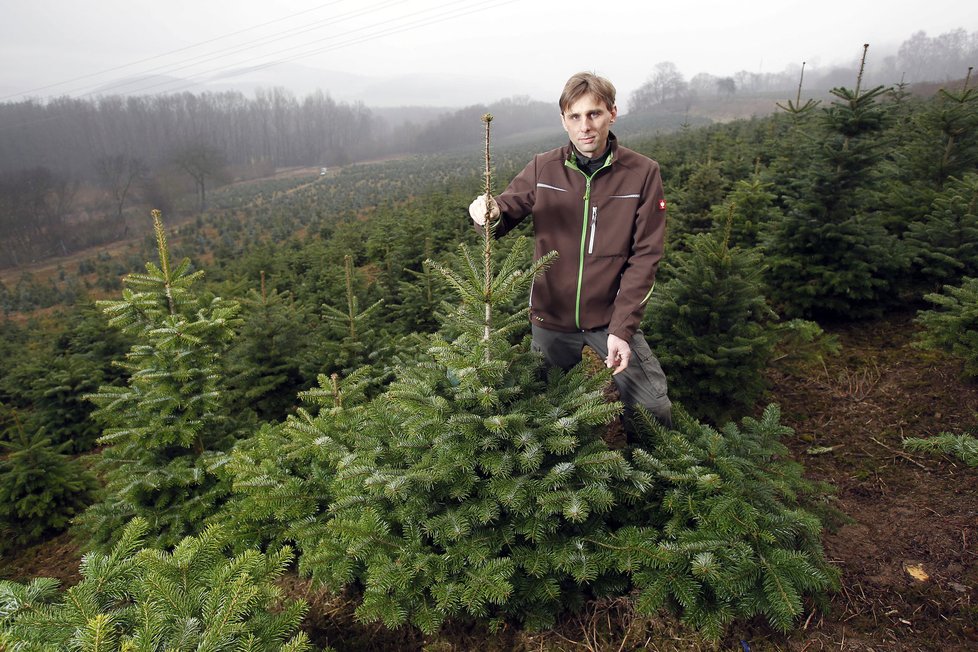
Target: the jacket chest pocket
pixel 610 224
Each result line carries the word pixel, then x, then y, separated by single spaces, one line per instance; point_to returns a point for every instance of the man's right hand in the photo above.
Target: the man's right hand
pixel 477 209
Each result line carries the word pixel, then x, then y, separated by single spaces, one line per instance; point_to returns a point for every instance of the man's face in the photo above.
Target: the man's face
pixel 587 122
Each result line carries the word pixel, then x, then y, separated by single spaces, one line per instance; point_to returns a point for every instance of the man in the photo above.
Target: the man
pixel 601 207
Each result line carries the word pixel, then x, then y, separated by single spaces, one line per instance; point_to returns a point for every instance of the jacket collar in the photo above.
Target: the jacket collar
pixel 612 148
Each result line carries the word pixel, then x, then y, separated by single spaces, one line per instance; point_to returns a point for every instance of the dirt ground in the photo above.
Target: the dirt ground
pixel 907 551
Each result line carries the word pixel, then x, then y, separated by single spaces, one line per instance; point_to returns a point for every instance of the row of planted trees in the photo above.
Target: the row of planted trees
pixel 477 485
pixel 474 485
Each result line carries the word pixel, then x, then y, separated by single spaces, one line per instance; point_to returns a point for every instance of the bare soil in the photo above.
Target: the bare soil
pixel 906 549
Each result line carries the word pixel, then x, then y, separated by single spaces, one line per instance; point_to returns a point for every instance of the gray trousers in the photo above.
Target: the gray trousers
pixel 641 383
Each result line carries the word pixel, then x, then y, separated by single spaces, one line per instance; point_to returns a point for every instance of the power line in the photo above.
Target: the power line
pixel 234 49
pixel 439 17
pixel 418 23
pixel 166 54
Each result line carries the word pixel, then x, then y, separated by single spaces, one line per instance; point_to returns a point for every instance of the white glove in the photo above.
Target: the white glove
pixel 477 209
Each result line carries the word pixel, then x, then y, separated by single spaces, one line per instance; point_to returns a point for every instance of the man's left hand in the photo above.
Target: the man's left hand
pixel 619 352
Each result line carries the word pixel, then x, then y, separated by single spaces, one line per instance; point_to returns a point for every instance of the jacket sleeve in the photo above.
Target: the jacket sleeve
pixel 638 277
pixel 516 202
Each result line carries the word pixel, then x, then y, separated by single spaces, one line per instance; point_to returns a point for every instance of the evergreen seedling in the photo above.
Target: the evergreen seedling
pixel 41 489
pixel 953 325
pixel 711 327
pixel 167 426
pixel 193 598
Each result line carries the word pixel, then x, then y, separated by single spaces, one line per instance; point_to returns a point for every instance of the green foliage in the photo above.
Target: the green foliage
pixel 944 243
pixel 953 325
pixel 264 365
pixel 831 255
pixel 168 425
pixel 711 327
pixel 282 475
pixel 750 208
pixel 964 446
pixel 943 140
pixel 193 598
pixel 45 376
pixel 723 534
pixel 41 489
pixel 467 488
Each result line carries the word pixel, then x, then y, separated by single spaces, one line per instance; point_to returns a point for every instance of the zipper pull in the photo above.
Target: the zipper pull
pixel 594 227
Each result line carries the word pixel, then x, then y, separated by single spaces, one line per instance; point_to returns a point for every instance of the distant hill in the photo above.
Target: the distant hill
pixel 421 89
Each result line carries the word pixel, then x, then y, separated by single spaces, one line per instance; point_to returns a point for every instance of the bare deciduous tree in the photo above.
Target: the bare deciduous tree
pixel 118 174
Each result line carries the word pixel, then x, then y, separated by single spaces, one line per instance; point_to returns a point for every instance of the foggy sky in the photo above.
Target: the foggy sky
pixel 501 47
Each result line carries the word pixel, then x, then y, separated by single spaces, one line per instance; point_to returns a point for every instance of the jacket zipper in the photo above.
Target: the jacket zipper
pixel 587 208
pixel 594 227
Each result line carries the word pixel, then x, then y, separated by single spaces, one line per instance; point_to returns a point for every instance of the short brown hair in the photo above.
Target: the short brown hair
pixel 583 83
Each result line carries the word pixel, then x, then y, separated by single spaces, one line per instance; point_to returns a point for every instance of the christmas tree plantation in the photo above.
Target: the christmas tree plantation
pixel 478 486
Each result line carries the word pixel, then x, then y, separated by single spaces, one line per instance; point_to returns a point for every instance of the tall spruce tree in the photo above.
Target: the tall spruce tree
pixel 831 254
pixel 168 424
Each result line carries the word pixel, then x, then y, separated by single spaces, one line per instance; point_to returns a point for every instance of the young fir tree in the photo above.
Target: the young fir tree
pixel 471 487
pixel 945 136
pixel 953 325
pixel 751 209
pixel 711 327
pixel 831 254
pixel 133 599
pixel 352 337
pixel 725 533
pixel 282 474
pixel 168 424
pixel 944 244
pixel 41 489
pixel 264 364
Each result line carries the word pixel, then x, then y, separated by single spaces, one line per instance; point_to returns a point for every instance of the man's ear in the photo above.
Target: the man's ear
pixel 614 113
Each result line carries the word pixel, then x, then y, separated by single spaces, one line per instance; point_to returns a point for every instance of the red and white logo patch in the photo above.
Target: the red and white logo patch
pixel 662 204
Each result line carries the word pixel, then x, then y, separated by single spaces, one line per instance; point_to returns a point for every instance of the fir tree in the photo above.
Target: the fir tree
pixel 193 598
pixel 350 338
pixel 168 425
pixel 831 255
pixel 282 474
pixel 41 489
pixel 953 325
pixel 724 534
pixel 947 135
pixel 944 244
pixel 467 488
pixel 264 365
pixel 751 209
pixel 711 327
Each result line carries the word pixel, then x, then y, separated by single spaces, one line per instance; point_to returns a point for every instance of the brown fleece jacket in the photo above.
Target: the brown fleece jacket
pixel 608 231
